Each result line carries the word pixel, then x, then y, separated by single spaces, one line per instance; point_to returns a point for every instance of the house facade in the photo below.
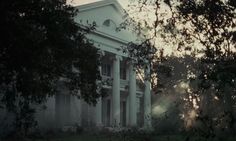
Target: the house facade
pixel 128 100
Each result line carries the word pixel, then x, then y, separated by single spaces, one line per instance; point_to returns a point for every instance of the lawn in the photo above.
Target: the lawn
pixel 122 137
pixel 127 135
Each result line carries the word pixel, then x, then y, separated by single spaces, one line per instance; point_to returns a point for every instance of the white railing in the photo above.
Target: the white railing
pixel 108 81
pixel 123 83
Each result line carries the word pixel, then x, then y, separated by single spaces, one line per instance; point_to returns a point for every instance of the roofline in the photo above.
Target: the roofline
pixel 117 39
pixel 108 36
pixel 101 3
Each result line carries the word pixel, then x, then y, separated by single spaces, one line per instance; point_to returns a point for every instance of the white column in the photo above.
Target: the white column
pixel 79 103
pixel 116 92
pixel 132 96
pixel 147 99
pixel 99 112
pixel 76 110
pixel 99 100
pixel 127 111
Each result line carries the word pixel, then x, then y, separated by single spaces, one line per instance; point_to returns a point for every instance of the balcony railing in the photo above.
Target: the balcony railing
pixel 107 80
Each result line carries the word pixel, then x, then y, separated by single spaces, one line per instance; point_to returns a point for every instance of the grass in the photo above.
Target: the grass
pixel 118 137
pixel 131 135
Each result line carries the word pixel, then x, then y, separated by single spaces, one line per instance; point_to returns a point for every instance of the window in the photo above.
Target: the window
pixel 106 69
pixel 123 73
pixel 138 104
pixel 109 24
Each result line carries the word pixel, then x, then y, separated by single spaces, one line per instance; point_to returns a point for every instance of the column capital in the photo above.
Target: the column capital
pixel 118 57
pixel 147 72
pixel 131 66
pixel 101 53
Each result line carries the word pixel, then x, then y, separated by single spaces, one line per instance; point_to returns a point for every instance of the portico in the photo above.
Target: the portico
pixel 123 102
pixel 128 100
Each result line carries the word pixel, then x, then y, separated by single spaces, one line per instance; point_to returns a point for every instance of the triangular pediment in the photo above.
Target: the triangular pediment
pixel 108 15
pixel 100 4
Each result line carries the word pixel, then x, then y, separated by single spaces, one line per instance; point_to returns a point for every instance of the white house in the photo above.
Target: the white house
pixel 128 102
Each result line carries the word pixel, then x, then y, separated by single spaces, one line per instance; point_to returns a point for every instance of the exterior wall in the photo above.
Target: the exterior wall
pixel 45 114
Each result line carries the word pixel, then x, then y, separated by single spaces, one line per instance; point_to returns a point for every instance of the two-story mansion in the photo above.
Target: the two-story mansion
pixel 129 100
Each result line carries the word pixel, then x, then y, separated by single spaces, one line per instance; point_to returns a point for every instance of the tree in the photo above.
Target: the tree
pixel 214 27
pixel 208 24
pixel 40 42
pixel 206 28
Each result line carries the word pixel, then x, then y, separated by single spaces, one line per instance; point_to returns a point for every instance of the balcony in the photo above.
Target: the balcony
pixel 108 82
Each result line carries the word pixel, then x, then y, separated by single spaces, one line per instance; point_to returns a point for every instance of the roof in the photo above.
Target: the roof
pixel 106 37
pixel 102 3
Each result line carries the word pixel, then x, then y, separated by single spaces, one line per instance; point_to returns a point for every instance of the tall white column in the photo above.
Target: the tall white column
pixel 99 112
pixel 76 113
pixel 147 99
pixel 79 103
pixel 116 92
pixel 132 96
pixel 98 107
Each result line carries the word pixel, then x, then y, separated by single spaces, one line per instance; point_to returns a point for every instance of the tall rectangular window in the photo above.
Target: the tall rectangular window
pixel 106 69
pixel 122 73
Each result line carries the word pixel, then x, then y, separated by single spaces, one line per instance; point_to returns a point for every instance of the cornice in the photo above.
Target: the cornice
pixel 102 3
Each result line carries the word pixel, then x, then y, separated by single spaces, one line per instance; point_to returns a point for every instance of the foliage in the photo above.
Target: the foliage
pixel 194 26
pixel 213 25
pixel 204 30
pixel 39 44
pixel 182 106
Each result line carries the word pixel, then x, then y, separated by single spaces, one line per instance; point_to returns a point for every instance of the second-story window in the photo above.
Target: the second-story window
pixel 122 73
pixel 106 69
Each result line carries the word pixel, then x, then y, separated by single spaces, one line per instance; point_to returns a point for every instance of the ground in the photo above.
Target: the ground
pixel 105 135
pixel 121 136
pixel 127 138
